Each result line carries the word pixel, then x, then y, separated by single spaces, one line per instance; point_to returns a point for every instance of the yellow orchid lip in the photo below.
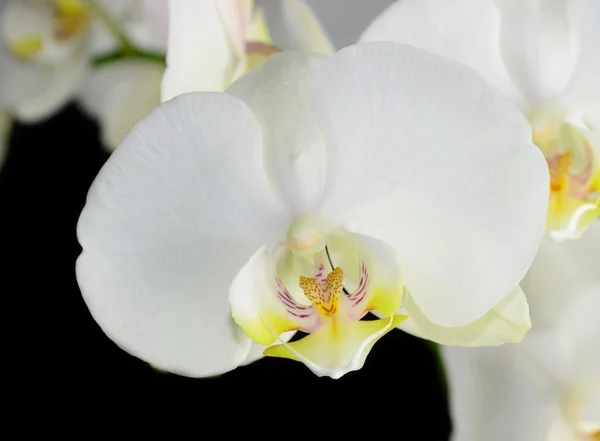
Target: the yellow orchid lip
pixel 338 341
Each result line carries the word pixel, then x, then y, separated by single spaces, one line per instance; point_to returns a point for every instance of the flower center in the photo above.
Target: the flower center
pixel 71 19
pixel 574 178
pixel 325 295
pixel 293 290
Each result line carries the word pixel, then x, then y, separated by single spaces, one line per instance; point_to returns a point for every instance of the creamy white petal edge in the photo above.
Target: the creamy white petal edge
pixel 163 233
pixel 199 50
pixel 507 322
pixel 164 230
pixel 120 94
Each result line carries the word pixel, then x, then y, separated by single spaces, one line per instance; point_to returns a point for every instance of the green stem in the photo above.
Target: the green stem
pixel 127 48
pixel 105 17
pixel 134 54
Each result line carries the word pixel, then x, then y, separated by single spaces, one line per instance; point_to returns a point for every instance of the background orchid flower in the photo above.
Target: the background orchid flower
pixel 123 87
pixel 544 55
pixel 212 43
pixel 314 190
pixel 43 55
pixel 547 388
pixel 119 93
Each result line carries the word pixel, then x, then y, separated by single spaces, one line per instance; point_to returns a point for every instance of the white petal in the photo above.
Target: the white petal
pixel 144 22
pixel 584 85
pixel 24 18
pixel 425 156
pixel 590 411
pixel 538 46
pixel 561 271
pixel 120 94
pixel 495 397
pixel 20 81
pixel 507 322
pixel 5 128
pixel 278 95
pixel 64 83
pixel 467 31
pixel 176 211
pixel 591 118
pixel 32 90
pixel 236 15
pixel 563 288
pixel 199 54
pixel 302 27
pixel 149 29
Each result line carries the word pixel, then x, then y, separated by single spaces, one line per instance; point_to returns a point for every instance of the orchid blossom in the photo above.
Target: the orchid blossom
pixel 43 55
pixel 543 54
pixel 314 189
pixel 547 388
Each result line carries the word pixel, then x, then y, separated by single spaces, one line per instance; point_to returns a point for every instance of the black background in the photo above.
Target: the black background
pixel 43 185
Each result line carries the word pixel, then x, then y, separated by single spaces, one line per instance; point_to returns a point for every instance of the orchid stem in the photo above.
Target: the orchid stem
pixel 127 48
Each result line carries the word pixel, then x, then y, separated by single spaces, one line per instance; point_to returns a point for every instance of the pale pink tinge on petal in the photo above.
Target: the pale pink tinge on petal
pixel 236 15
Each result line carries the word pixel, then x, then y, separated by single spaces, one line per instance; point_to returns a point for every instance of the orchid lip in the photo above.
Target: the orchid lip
pixel 330 309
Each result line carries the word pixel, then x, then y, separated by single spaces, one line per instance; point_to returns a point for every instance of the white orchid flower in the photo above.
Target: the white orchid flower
pixel 214 42
pixel 547 388
pixel 313 190
pixel 544 55
pixel 5 128
pixel 43 55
